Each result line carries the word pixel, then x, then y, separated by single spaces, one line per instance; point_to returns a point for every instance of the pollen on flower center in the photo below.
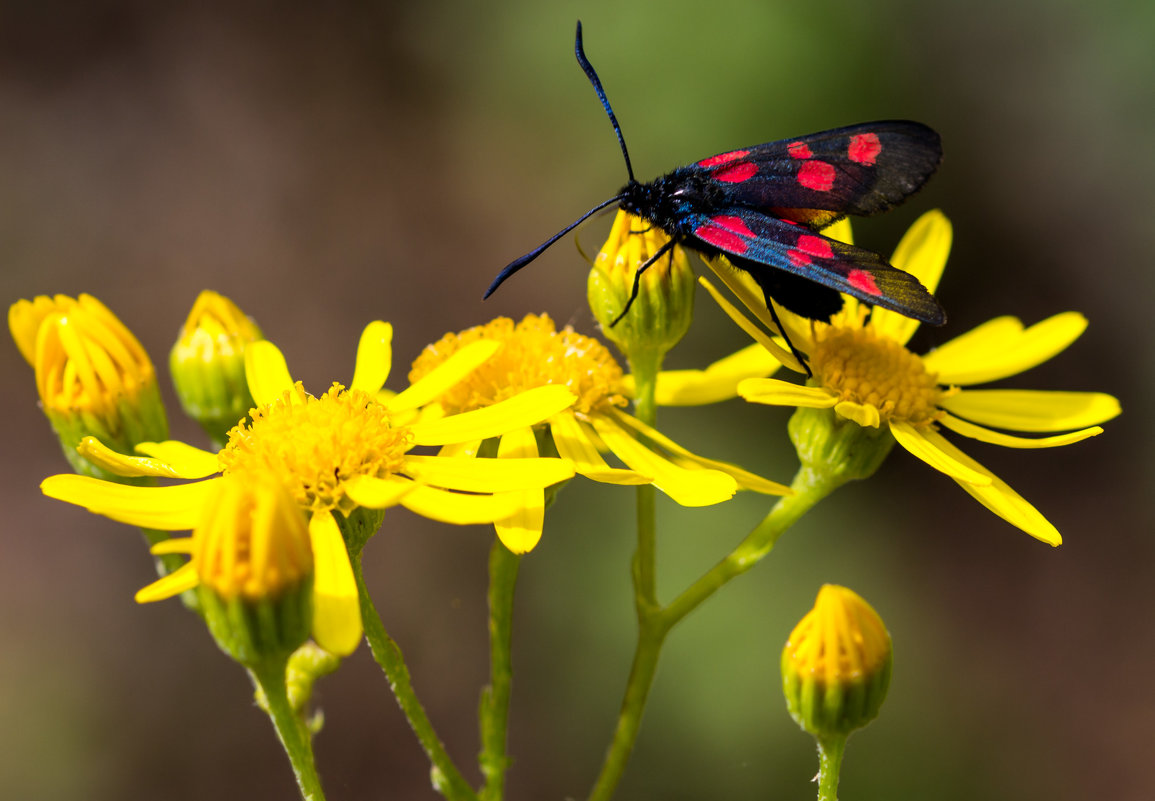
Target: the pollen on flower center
pixel 314 445
pixel 534 354
pixel 865 368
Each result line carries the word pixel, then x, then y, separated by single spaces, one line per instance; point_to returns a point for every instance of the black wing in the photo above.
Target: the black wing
pixel 816 179
pixel 756 241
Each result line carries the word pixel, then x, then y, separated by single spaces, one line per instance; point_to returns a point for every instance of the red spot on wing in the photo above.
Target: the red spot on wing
pixel 864 148
pixel 814 246
pixel 732 223
pixel 816 175
pixel 797 257
pixel 722 158
pixel 721 238
pixel 799 150
pixel 863 282
pixel 736 174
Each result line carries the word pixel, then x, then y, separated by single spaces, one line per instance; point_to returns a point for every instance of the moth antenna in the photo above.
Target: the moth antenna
pixel 593 76
pixel 517 264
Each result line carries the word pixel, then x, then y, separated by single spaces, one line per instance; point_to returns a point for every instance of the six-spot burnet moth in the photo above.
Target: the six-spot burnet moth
pixel 763 207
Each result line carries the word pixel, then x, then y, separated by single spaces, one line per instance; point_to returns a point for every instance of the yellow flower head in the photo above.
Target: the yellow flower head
pixel 836 664
pixel 535 355
pixel 865 374
pixel 93 376
pixel 347 450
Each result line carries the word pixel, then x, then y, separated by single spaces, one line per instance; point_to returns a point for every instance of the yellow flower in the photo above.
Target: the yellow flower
pixel 335 454
pixel 864 373
pixel 535 355
pixel 93 376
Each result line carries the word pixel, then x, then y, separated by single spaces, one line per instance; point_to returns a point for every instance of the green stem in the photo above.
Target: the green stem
pixel 447 780
pixel 830 751
pixel 655 623
pixel 494 710
pixel 809 488
pixel 651 635
pixel 269 677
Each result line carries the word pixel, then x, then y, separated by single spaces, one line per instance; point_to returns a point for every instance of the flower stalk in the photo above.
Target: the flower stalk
pixel 269 677
pixel 493 713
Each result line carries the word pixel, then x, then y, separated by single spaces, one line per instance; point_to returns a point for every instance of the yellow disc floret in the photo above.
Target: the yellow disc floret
pixel 534 354
pixel 865 368
pixel 314 445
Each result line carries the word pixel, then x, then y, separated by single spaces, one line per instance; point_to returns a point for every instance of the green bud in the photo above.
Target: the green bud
pixel 836 665
pixel 208 364
pixel 660 315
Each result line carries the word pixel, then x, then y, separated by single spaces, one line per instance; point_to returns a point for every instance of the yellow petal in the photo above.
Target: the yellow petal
pixel 864 414
pixel 774 392
pixel 718 382
pixel 919 443
pixel 378 493
pixel 120 464
pixel 459 508
pixel 183 578
pixel 184 459
pixel 781 354
pixel 841 230
pixel 183 545
pixel 488 475
pixel 374 357
pixel 524 409
pixel 1026 410
pixel 575 444
pixel 266 372
pixel 1007 441
pixel 685 486
pixel 162 508
pixel 1000 498
pixel 922 252
pixel 521 531
pixel 1002 348
pixel 336 608
pixel 444 376
pixel 679 455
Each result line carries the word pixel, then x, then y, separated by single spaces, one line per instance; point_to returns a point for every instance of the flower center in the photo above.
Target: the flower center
pixel 534 354
pixel 877 371
pixel 314 445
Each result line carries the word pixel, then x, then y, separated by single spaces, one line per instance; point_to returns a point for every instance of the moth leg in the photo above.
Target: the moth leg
pixel 666 248
pixel 782 330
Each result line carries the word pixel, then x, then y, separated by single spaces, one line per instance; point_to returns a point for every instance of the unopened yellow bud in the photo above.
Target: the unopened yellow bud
pixel 252 554
pixel 836 665
pixel 208 364
pixel 93 376
pixel 660 315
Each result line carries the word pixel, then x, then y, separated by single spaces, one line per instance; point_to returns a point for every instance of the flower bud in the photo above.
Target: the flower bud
pixel 93 376
pixel 836 665
pixel 660 315
pixel 252 553
pixel 208 364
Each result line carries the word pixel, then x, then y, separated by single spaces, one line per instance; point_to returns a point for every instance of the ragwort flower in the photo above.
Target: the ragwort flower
pixel 335 454
pixel 535 355
pixel 863 371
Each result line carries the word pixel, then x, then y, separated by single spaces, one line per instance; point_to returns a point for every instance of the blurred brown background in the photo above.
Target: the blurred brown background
pixel 329 165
